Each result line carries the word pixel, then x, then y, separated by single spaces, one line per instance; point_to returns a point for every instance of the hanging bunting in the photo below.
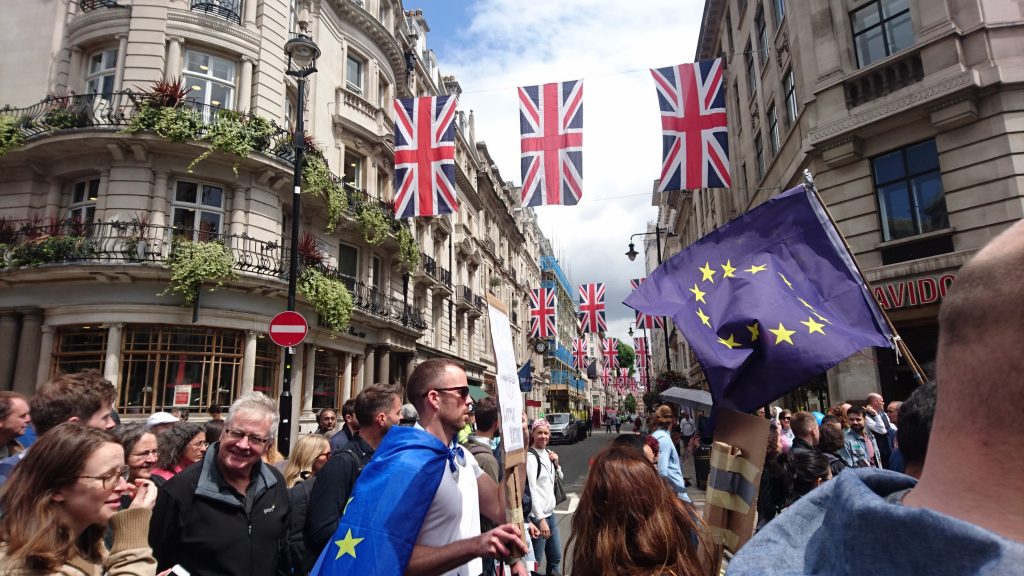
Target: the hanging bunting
pixel 643 320
pixel 592 308
pixel 579 353
pixel 425 156
pixel 551 141
pixel 542 313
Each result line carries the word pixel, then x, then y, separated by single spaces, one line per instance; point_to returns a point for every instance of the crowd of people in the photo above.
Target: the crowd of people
pixel 868 487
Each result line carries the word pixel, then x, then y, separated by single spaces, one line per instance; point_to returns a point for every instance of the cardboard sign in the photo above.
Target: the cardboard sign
pixel 182 394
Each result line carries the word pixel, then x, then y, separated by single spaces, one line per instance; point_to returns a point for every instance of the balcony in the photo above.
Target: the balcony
pixel 426 272
pixel 45 244
pixel 464 298
pixel 89 5
pixel 230 10
pixel 444 277
pixel 878 81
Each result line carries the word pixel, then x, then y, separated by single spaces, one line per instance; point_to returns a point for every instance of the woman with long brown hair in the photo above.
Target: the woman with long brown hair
pixel 60 500
pixel 630 522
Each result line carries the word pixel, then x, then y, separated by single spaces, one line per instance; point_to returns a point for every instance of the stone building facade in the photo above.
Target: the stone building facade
pixel 906 112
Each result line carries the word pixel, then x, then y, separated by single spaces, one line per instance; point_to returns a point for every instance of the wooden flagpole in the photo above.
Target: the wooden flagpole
pixel 901 346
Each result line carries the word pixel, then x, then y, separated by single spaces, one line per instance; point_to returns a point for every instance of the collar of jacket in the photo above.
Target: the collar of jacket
pixel 213 486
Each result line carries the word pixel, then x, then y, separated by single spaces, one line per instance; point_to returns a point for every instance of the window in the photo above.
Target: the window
pixel 383 190
pixel 102 70
pixel 762 36
pixel 780 11
pixel 328 377
pixel 211 79
pixel 353 169
pixel 79 348
pixel 158 361
pixel 375 271
pixel 759 155
pixel 383 93
pixel 198 210
pixel 909 185
pixel 736 95
pixel 348 265
pixel 382 12
pixel 354 74
pixel 789 89
pixel 751 74
pixel 289 112
pixel 83 201
pixel 881 28
pixel 293 17
pixel 773 129
pixel 728 32
pixel 265 378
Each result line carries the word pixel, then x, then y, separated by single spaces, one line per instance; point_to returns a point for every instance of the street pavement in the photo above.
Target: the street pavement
pixel 575 460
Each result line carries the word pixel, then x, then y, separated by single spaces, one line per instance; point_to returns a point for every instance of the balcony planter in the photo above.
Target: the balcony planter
pixel 236 134
pixel 10 134
pixel 409 251
pixel 329 297
pixel 373 223
pixel 317 179
pixel 194 263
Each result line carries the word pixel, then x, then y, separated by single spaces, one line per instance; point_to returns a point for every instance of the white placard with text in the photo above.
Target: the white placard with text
pixel 509 396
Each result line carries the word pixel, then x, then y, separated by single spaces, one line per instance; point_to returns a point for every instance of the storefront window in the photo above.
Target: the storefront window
pixel 327 379
pixel 201 366
pixel 265 379
pixel 79 348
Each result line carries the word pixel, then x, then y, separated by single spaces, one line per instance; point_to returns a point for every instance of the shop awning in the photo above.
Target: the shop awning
pixel 476 392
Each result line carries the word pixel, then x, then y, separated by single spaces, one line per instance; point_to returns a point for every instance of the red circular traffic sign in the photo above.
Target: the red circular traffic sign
pixel 288 329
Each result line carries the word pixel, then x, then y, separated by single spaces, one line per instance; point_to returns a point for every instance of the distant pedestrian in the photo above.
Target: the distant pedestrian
pixel 349 429
pixel 668 457
pixel 179 446
pixel 326 422
pixel 618 424
pixel 307 459
pixel 608 423
pixel 14 420
pixel 785 430
pixel 860 448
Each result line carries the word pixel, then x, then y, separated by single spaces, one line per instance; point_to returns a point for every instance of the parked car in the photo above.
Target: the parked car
pixel 564 427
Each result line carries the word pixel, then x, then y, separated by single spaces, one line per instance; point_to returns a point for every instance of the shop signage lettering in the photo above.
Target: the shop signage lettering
pixel 914 292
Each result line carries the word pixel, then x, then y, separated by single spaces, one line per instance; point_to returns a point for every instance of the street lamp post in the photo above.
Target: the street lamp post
pixel 302 52
pixel 632 254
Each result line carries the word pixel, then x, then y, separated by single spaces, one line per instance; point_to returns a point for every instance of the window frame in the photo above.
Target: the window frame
pixel 773 129
pixel 199 208
pixel 759 155
pixel 909 178
pixel 751 69
pixel 86 203
pixel 779 12
pixel 354 165
pixel 789 91
pixel 763 45
pixel 882 25
pixel 208 79
pixel 355 58
pixel 101 74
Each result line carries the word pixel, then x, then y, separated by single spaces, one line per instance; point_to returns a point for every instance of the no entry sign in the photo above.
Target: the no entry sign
pixel 288 329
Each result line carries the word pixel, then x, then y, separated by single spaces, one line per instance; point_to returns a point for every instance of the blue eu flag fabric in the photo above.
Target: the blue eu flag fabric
pixel 767 301
pixel 382 520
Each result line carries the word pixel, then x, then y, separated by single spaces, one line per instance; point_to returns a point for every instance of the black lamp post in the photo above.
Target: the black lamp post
pixel 632 254
pixel 302 52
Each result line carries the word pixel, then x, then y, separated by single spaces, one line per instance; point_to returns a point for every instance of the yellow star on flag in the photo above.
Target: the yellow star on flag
pixel 755 331
pixel 708 273
pixel 813 326
pixel 782 335
pixel 804 302
pixel 785 280
pixel 730 343
pixel 698 295
pixel 728 270
pixel 755 269
pixel 348 545
pixel 704 318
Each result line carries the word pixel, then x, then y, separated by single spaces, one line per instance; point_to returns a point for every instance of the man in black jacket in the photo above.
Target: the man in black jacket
pixel 377 408
pixel 228 514
pixel 805 432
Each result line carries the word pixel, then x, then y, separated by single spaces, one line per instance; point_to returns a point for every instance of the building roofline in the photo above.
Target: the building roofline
pixel 709 29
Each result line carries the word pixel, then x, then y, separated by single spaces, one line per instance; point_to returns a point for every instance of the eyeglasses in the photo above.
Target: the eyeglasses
pixel 237 435
pixel 110 479
pixel 145 454
pixel 786 418
pixel 201 444
pixel 463 391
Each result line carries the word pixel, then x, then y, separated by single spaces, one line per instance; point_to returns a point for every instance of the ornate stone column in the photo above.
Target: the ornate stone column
pixel 173 67
pixel 158 200
pixel 26 366
pixel 249 13
pixel 346 379
pixel 368 373
pixel 52 198
pixel 112 356
pixel 308 382
pixel 248 362
pixel 384 373
pixel 245 84
pixel 238 198
pixel 122 49
pixel 357 382
pixel 45 355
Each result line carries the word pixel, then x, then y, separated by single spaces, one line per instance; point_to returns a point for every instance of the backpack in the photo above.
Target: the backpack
pixel 560 495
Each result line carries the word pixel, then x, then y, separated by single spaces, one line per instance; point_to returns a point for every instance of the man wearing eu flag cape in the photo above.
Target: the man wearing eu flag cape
pixel 767 301
pixel 416 506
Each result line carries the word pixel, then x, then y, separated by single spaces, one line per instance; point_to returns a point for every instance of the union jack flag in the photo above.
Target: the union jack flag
pixel 551 141
pixel 643 320
pixel 592 308
pixel 643 375
pixel 640 345
pixel 579 353
pixel 611 352
pixel 425 156
pixel 606 375
pixel 542 313
pixel 694 137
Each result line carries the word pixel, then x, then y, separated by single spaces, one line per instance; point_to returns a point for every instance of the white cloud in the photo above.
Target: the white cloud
pixel 610 44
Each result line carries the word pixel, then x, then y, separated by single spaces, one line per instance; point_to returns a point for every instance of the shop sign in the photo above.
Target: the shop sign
pixel 913 292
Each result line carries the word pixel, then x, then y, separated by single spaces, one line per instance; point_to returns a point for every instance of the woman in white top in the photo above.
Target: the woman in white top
pixel 541 467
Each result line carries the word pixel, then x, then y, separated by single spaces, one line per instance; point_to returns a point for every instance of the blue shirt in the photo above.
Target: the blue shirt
pixel 668 463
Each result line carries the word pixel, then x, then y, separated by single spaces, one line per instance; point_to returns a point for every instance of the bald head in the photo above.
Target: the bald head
pixel 979 361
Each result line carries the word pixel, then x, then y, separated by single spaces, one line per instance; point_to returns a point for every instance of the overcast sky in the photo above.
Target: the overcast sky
pixel 494 46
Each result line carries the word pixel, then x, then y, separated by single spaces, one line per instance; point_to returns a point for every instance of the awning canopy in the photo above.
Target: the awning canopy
pixel 476 392
pixel 687 396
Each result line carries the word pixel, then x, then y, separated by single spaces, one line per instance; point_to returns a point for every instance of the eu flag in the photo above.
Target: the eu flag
pixel 767 301
pixel 382 520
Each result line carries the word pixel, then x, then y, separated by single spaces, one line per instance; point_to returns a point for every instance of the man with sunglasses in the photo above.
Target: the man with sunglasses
pixel 228 514
pixel 432 525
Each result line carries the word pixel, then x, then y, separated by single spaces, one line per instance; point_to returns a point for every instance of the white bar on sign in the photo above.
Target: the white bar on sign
pixel 288 329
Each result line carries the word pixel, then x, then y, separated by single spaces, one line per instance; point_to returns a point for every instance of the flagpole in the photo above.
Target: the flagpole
pixel 900 344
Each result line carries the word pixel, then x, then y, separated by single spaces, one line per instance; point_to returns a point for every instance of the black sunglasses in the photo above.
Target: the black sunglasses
pixel 463 391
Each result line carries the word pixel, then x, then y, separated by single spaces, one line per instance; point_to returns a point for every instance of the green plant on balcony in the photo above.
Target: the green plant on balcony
pixel 317 179
pixel 163 110
pixel 408 250
pixel 194 263
pixel 373 222
pixel 237 134
pixel 495 281
pixel 10 134
pixel 328 296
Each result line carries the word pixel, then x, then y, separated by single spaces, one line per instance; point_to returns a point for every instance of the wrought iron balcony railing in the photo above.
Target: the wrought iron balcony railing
pixel 226 9
pixel 446 278
pixel 88 5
